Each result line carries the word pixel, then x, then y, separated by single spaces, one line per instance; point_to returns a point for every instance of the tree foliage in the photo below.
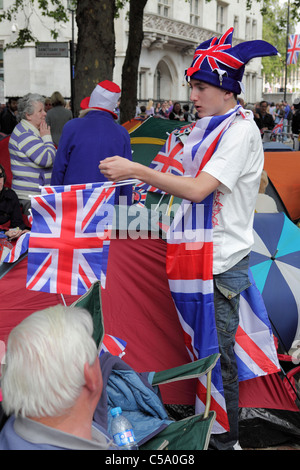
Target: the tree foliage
pixel 275 31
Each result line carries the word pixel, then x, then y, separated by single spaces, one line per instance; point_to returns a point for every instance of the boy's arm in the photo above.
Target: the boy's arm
pixel 193 189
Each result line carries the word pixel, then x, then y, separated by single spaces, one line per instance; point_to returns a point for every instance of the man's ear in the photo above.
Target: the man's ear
pixel 93 377
pixel 89 377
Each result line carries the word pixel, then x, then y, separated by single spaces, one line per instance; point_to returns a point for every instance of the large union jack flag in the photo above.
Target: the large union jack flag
pixel 293 49
pixel 69 241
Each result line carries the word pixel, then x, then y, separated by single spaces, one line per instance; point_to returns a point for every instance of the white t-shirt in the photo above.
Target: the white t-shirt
pixel 237 164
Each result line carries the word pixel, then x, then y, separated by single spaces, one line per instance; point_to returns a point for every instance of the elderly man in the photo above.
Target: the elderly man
pixel 51 383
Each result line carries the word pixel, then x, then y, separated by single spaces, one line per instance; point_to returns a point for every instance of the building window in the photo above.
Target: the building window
pixel 1 4
pixel 254 29
pixel 247 29
pixel 236 26
pixel 194 12
pixel 221 18
pixel 164 7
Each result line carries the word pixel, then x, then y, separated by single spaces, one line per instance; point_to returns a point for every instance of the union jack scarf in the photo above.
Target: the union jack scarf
pixel 189 264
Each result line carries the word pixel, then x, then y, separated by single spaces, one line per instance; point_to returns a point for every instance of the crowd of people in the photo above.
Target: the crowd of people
pixel 266 114
pixel 269 116
pixel 51 399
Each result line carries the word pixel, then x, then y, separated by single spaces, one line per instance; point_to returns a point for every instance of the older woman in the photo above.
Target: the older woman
pixel 31 149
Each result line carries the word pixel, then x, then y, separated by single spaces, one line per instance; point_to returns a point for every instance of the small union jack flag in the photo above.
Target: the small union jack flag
pixel 20 246
pixel 278 128
pixel 113 345
pixel 69 241
pixel 293 49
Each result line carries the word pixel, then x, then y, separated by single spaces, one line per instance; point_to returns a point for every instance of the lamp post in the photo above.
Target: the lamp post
pixel 287 45
pixel 71 5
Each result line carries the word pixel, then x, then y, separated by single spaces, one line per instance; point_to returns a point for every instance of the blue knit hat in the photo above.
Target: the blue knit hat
pixel 218 63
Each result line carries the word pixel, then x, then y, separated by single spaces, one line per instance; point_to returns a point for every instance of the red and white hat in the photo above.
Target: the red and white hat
pixel 105 97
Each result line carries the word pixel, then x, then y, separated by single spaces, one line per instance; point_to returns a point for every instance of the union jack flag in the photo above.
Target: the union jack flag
pixel 113 345
pixel 73 187
pixel 293 49
pixel 19 248
pixel 139 195
pixel 69 242
pixel 278 128
pixel 214 54
pixel 169 158
pixel 189 270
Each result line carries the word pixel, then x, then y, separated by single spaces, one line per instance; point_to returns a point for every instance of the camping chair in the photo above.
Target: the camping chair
pixel 191 433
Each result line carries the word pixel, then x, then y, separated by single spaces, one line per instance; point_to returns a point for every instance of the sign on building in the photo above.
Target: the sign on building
pixel 52 49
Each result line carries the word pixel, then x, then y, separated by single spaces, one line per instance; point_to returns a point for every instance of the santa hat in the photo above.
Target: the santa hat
pixel 105 97
pixel 218 63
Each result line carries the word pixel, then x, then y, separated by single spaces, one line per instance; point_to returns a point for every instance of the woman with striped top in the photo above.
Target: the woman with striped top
pixel 31 149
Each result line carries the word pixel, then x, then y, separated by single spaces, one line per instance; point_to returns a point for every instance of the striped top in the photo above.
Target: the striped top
pixel 31 157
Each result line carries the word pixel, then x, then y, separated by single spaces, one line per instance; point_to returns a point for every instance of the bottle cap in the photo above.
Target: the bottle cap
pixel 116 411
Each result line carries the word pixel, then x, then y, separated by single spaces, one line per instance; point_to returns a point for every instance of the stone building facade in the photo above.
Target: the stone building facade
pixel 172 30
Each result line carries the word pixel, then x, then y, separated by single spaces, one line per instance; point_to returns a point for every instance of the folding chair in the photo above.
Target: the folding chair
pixel 191 433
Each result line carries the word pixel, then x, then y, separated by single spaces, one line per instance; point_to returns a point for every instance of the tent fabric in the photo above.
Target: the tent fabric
pixel 138 308
pixel 17 303
pixel 267 392
pixel 148 138
pixel 283 168
pixel 5 160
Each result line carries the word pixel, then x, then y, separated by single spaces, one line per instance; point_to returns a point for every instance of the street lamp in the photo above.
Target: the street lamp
pixel 71 6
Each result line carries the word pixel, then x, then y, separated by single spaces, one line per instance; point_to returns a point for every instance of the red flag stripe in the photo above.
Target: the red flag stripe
pixel 40 273
pixel 253 351
pixel 215 406
pixel 198 267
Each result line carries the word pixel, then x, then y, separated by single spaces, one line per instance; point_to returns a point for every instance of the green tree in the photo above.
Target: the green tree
pixel 95 52
pixel 275 31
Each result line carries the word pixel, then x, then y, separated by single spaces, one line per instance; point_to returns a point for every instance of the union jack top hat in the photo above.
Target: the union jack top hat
pixel 105 97
pixel 218 63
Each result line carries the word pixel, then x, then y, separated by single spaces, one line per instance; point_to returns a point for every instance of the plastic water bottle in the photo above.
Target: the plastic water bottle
pixel 121 430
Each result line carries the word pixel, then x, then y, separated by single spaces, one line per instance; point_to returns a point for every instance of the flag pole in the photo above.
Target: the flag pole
pixel 287 45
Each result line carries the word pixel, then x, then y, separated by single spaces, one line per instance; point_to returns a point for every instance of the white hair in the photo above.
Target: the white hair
pixel 26 104
pixel 43 373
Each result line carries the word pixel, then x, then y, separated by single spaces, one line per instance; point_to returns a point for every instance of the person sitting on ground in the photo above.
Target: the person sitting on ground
pixel 51 383
pixel 142 114
pixel 150 108
pixel 164 110
pixel 177 113
pixel 11 220
pixel 31 149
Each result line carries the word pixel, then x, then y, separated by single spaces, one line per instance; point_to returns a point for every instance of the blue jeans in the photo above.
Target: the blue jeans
pixel 227 289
